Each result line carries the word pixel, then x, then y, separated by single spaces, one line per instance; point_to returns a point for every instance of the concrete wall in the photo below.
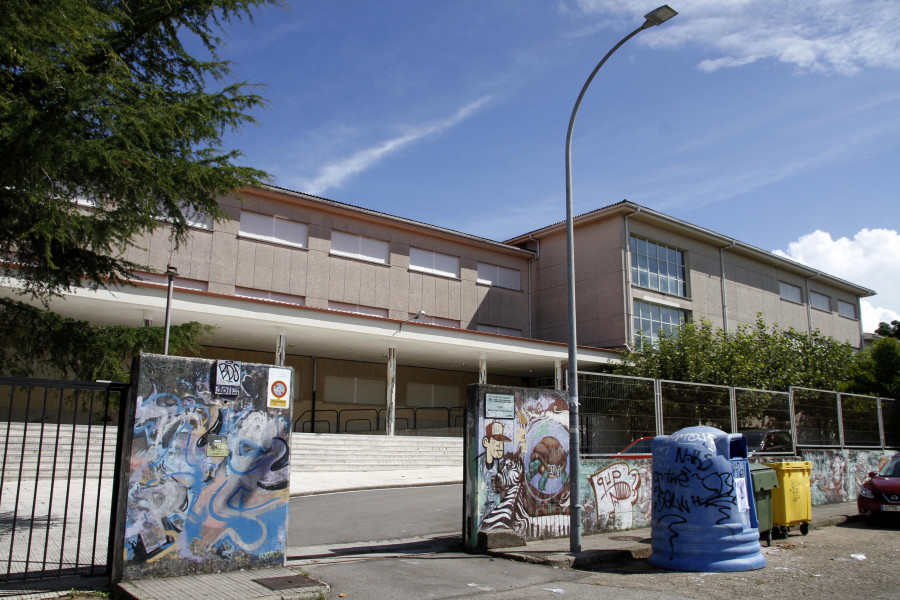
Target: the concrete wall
pixel 219 259
pixel 617 492
pixel 516 470
pixel 206 479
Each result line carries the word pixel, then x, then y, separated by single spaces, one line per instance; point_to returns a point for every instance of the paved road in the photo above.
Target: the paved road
pixel 853 560
pixel 374 515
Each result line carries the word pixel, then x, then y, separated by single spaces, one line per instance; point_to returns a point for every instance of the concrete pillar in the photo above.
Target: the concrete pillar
pixel 558 375
pixel 482 369
pixel 391 391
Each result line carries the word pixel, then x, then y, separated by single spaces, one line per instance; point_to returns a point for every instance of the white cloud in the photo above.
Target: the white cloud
pixel 832 36
pixel 870 259
pixel 335 173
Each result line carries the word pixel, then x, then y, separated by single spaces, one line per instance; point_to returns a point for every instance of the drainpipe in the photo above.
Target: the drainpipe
pixel 627 283
pixel 537 256
pixel 724 294
pixel 809 326
pixel 862 339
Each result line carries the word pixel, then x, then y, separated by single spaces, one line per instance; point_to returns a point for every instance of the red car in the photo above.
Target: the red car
pixel 879 497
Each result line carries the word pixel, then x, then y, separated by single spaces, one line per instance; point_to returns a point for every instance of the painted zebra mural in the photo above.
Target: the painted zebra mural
pixel 520 476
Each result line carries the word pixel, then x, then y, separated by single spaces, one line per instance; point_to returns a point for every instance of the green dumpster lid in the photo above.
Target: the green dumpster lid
pixel 763 477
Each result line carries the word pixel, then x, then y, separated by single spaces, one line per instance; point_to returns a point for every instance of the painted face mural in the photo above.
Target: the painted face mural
pixel 208 481
pixel 523 479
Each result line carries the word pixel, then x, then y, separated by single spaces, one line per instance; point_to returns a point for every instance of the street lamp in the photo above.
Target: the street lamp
pixel 171 273
pixel 656 17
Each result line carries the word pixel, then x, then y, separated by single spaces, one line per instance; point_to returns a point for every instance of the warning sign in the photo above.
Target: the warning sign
pixel 279 391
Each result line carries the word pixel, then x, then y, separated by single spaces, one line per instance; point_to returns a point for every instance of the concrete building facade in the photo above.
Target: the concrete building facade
pixel 380 314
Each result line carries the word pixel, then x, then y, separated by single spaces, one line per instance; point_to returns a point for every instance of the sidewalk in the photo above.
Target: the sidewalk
pixel 318 482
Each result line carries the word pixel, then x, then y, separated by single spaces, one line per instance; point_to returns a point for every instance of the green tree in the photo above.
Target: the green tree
pixel 102 101
pixel 756 356
pixel 886 330
pixel 876 371
pixel 42 342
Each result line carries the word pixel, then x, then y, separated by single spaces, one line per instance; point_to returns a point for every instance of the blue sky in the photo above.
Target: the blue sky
pixel 776 123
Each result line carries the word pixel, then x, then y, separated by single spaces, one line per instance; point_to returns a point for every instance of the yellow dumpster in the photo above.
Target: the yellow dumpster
pixel 791 500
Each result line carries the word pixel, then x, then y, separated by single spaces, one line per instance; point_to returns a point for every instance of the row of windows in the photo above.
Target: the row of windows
pixel 279 230
pixel 793 293
pixel 361 390
pixel 657 267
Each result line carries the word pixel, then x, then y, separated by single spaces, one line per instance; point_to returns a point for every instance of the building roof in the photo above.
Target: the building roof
pixel 626 208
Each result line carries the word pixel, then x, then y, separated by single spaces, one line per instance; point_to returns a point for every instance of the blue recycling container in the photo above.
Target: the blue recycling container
pixel 703 513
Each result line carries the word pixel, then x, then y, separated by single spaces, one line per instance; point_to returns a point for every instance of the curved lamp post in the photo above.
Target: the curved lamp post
pixel 656 17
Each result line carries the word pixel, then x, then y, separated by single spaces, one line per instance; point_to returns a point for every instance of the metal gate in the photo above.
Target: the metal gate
pixel 59 456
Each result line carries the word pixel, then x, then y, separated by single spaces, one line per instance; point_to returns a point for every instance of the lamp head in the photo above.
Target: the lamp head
pixel 659 16
pixel 419 314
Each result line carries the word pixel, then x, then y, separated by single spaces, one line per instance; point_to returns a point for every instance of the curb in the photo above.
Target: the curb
pixel 590 558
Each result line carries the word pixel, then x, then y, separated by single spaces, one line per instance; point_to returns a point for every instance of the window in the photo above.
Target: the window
pixel 362 248
pixel 358 309
pixel 820 301
pixel 432 395
pixel 846 309
pixel 500 330
pixel 657 267
pixel 499 276
pixel 274 229
pixel 267 295
pixel 194 218
pixel 789 292
pixel 651 319
pixel 354 390
pixel 433 262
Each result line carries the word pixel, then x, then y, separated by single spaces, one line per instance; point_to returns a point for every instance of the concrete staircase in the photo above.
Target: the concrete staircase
pixel 344 452
pixel 78 451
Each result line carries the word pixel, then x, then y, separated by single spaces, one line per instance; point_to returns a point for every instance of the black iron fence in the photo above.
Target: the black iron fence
pixel 59 449
pixel 361 420
pixel 616 410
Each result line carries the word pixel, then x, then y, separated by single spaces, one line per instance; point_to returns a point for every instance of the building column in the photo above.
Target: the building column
pixel 390 418
pixel 558 376
pixel 482 369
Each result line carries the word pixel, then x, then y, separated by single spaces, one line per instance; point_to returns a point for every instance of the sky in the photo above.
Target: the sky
pixel 775 123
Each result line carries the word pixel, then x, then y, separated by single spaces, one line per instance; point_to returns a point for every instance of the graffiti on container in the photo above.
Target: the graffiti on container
pixel 616 491
pixel 523 473
pixel 691 482
pixel 192 505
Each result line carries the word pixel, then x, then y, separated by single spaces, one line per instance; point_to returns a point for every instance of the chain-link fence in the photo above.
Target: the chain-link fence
pixel 620 415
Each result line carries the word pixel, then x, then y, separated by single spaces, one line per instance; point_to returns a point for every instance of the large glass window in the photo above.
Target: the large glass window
pixel 651 319
pixel 354 390
pixel 657 267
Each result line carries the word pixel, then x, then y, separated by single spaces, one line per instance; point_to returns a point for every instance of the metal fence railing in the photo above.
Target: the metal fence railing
pixel 363 420
pixel 616 411
pixel 58 459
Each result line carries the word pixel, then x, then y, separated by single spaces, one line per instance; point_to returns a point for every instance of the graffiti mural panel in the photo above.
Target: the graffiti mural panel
pixel 517 467
pixel 617 495
pixel 207 483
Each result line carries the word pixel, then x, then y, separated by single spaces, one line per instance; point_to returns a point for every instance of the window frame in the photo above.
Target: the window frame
pixel 361 252
pixel 433 269
pixel 853 307
pixel 500 277
pixel 786 286
pixel 813 296
pixel 273 237
pixel 675 261
pixel 655 313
